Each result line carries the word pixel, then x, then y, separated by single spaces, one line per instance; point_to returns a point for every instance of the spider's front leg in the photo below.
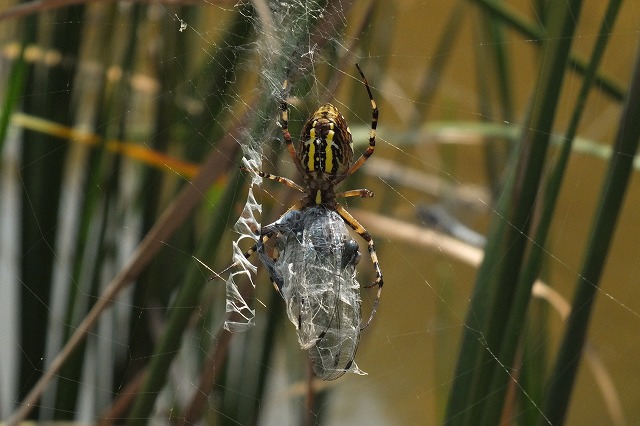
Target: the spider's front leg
pixel 374 125
pixel 284 123
pixel 279 179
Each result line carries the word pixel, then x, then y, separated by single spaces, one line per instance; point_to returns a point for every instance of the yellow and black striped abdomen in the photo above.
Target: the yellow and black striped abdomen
pixel 326 144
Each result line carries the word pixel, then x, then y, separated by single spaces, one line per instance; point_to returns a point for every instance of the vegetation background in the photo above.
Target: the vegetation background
pixel 505 125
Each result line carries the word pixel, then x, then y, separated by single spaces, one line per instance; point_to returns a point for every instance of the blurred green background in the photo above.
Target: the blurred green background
pixel 122 127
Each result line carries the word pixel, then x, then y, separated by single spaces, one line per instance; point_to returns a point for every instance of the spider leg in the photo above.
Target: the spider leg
pixel 270 230
pixel 355 225
pixel 259 247
pixel 266 233
pixel 268 261
pixel 372 136
pixel 276 280
pixel 364 193
pixel 263 238
pixel 284 123
pixel 280 179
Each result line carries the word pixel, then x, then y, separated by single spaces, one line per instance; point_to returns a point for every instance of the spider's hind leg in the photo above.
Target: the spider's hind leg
pixel 355 225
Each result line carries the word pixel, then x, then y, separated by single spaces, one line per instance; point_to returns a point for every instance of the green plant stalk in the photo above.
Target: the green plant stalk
pixel 156 284
pixel 70 375
pixel 494 292
pixel 496 28
pixel 255 401
pixel 17 78
pixel 534 146
pixel 561 382
pixel 181 311
pixel 537 34
pixel 99 189
pixel 436 65
pixel 47 94
pixel 516 323
pixel 449 131
pixel 472 336
pixel 485 86
pixel 492 35
pixel 534 363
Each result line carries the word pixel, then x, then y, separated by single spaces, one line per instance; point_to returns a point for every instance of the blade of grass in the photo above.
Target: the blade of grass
pixel 190 136
pixel 560 384
pixel 494 290
pixel 538 35
pixel 48 94
pixel 471 343
pixel 437 63
pixel 492 36
pixel 563 20
pixel 17 79
pixel 516 322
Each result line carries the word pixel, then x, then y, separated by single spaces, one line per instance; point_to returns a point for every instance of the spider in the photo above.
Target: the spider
pixel 324 158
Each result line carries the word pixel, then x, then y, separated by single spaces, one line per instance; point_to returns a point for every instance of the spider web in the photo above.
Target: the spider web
pixel 426 171
pixel 279 56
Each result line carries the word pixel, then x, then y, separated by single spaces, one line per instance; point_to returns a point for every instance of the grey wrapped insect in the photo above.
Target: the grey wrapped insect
pixel 314 270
